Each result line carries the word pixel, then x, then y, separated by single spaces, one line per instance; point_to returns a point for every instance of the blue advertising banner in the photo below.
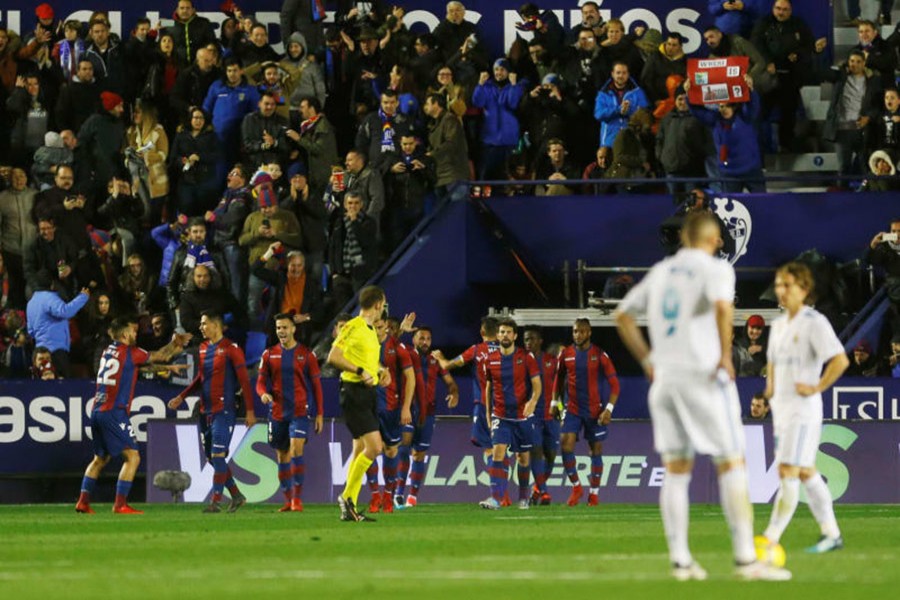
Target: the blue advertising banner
pixel 456 472
pixel 687 17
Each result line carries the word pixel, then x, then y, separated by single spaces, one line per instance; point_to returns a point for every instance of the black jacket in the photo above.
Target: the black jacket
pixel 312 216
pixel 190 36
pixel 252 129
pixel 178 274
pixel 206 145
pixel 408 190
pixel 365 230
pixel 77 101
pixel 190 88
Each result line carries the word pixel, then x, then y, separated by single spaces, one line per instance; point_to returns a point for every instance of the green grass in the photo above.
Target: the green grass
pixel 432 551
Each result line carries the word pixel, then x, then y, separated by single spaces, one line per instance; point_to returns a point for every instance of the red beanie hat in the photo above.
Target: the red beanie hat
pixel 110 100
pixel 44 11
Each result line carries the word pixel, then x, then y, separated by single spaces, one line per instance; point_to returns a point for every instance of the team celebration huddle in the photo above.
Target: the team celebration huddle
pixel 530 405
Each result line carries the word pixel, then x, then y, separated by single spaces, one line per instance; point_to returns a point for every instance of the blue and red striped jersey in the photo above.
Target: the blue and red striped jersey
pixel 428 369
pixel 117 376
pixel 290 376
pixel 582 372
pixel 479 353
pixel 395 358
pixel 548 364
pixel 222 368
pixel 510 376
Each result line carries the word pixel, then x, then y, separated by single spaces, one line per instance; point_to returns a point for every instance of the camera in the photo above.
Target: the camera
pixel 890 237
pixel 267 223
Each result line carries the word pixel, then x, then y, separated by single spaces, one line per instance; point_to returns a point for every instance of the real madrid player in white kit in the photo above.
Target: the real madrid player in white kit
pixel 688 301
pixel 800 343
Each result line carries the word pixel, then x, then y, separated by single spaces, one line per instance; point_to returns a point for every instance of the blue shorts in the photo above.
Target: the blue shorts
pixel 481 431
pixel 593 431
pixel 216 431
pixel 282 432
pixel 546 434
pixel 389 425
pixel 517 435
pixel 422 436
pixel 112 433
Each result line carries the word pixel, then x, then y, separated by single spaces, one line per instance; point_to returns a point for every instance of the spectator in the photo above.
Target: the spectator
pixel 854 101
pixel 447 146
pixel 304 18
pixel 79 98
pixel 145 155
pixel 632 152
pixel 892 362
pixel 863 362
pixel 886 254
pixel 352 249
pixel 682 144
pixel 753 342
pixel 192 252
pixel 669 60
pixel 196 157
pixel 48 157
pixel 262 227
pixel 159 334
pixel 17 233
pixel 258 50
pixel 396 42
pixel 581 72
pixel 139 292
pixel 72 211
pixel 736 16
pixel 193 83
pixel 886 125
pixel 880 56
pixel 520 63
pixel 42 365
pixel 202 293
pixel 9 66
pixel 380 131
pixel 102 137
pixel 882 169
pixel 361 179
pixel 721 45
pixel 591 21
pixel 93 325
pixel 227 220
pixel 499 97
pixel 664 107
pixel 319 142
pixel 410 179
pixel 545 27
pixel 122 212
pixel 400 80
pixel 787 46
pixel 556 166
pixel 759 406
pixel 454 93
pixel 30 117
pixel 365 69
pixel 597 171
pixel 168 238
pixel 190 32
pixel 264 134
pixel 616 102
pixel 305 78
pixel 618 47
pixel 310 211
pixel 108 59
pixel 48 320
pixel 542 61
pixel 884 12
pixel 455 35
pixel 292 291
pixel 228 101
pixel 426 60
pixel 68 52
pixel 735 138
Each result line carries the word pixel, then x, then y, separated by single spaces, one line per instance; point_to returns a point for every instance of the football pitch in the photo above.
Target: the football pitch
pixel 431 551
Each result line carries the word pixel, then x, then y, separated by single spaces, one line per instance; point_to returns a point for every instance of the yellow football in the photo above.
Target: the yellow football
pixel 769 553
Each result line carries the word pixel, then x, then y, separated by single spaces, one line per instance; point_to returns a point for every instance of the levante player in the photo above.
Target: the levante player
pixel 110 420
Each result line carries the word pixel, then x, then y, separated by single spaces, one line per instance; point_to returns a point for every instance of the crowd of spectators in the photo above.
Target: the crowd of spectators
pixel 176 167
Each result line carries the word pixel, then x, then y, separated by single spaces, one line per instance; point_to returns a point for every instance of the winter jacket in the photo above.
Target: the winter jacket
pixel 190 36
pixel 46 159
pixel 30 120
pixel 178 274
pixel 369 140
pixel 17 230
pixel 251 54
pixel 545 117
pixel 216 298
pixel 109 71
pixel 191 88
pixel 206 146
pixel 736 21
pixel 776 40
pixel 370 186
pixel 447 144
pixel 608 109
pixel 123 212
pixel 48 317
pixel 70 223
pixel 320 144
pixel 282 222
pixel 296 17
pixel 736 138
pixel 871 101
pixel 500 103
pixel 681 143
pixel 252 128
pixel 657 70
pixel 228 105
pixel 77 101
pixel 312 216
pixel 155 158
pixel 103 135
pixel 366 234
pixel 230 214
pixel 305 78
pixel 407 190
pixel 168 239
pixel 312 297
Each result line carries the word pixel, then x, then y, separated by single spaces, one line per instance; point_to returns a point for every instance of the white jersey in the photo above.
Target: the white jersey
pixel 678 296
pixel 798 349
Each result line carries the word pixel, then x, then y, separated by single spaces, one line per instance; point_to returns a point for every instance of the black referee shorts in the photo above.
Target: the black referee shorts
pixel 358 403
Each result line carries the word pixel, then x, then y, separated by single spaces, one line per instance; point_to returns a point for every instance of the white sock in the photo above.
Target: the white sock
pixel 595 491
pixel 821 505
pixel 674 506
pixel 783 509
pixel 738 511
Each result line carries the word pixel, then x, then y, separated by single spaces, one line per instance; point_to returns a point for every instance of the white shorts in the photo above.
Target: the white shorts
pixel 798 431
pixel 696 414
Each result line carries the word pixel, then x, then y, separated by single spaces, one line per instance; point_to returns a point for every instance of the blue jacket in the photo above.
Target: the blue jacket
pixel 736 143
pixel 48 319
pixel 608 109
pixel 501 126
pixel 168 240
pixel 229 105
pixel 738 21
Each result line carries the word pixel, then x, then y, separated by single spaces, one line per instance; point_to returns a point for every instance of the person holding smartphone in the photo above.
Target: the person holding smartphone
pixel 884 251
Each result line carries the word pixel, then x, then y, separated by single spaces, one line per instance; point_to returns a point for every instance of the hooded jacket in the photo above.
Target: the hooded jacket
pixel 305 78
pixel 736 138
pixel 608 109
pixel 657 70
pixel 500 103
pixel 189 36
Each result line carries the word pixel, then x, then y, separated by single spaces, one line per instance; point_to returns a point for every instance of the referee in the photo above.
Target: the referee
pixel 356 354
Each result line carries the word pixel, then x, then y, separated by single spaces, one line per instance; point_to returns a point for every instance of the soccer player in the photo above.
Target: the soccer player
pixel 110 420
pixel 688 300
pixel 356 353
pixel 582 368
pixel 421 430
pixel 546 422
pixel 288 375
pixel 800 343
pixel 394 412
pixel 481 433
pixel 222 371
pixel 508 373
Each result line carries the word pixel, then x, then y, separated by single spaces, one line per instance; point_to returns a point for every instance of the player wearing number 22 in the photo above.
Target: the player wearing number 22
pixel 222 369
pixel 110 420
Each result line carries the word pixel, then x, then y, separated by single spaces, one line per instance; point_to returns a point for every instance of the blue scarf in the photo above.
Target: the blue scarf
pixel 197 254
pixel 387 131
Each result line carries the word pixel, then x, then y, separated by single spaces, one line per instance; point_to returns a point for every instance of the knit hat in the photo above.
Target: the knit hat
pixel 44 11
pixel 550 79
pixel 501 62
pixel 261 182
pixel 297 168
pixel 53 140
pixel 864 346
pixel 756 321
pixel 110 100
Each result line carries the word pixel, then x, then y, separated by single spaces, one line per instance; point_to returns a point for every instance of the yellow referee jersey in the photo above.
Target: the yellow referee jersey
pixel 359 343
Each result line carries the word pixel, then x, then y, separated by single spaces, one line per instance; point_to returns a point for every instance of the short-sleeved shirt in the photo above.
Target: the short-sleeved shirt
pixel 679 296
pixel 359 343
pixel 117 376
pixel 292 376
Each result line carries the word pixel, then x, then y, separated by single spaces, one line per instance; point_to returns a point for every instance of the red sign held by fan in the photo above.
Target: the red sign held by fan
pixel 718 80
